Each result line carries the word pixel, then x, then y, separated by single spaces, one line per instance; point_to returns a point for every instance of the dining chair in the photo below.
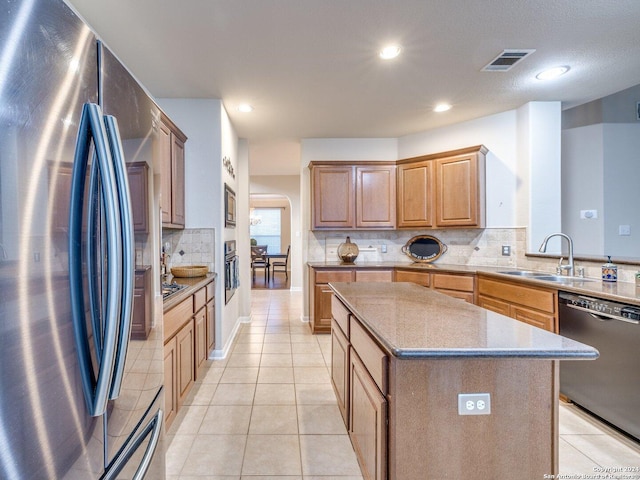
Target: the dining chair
pixel 259 260
pixel 283 264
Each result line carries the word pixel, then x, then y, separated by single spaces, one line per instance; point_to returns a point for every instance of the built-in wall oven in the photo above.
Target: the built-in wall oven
pixel 231 270
pixel 609 386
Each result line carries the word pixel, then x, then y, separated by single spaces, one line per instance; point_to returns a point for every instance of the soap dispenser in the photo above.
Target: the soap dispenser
pixel 609 271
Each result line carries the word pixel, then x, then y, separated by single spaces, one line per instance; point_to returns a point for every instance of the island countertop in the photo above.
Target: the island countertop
pixel 410 321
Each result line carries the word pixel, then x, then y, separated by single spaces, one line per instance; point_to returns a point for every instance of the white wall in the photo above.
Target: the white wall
pixel 582 187
pixel 289 186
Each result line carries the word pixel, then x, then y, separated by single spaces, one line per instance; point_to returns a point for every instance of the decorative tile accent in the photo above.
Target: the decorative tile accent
pixel 191 246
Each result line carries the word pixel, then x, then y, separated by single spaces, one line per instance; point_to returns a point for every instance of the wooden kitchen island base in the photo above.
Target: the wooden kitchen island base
pixel 401 356
pixel 428 439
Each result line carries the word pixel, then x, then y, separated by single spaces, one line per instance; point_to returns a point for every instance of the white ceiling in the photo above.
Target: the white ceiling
pixel 310 67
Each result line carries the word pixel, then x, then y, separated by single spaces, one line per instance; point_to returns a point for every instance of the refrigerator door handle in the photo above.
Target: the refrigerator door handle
pixel 153 428
pixel 128 252
pixel 96 389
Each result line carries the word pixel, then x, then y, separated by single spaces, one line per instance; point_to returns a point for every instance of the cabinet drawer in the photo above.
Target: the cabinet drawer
pixel 175 318
pixel 374 275
pixel 421 278
pixel 539 299
pixel 210 291
pixel 326 276
pixel 199 299
pixel 453 282
pixel 372 356
pixel 340 315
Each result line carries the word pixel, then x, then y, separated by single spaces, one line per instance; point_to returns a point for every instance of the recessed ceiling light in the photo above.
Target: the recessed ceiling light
pixel 552 73
pixel 392 51
pixel 245 108
pixel 442 107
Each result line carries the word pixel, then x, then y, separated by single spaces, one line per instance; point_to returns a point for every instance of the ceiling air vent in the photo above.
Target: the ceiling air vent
pixel 506 60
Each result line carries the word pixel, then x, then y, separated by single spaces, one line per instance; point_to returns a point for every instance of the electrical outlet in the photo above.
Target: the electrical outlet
pixel 474 404
pixel 506 250
pixel 383 248
pixel 624 230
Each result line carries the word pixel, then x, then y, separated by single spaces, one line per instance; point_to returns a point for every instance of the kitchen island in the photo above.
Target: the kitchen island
pixel 401 357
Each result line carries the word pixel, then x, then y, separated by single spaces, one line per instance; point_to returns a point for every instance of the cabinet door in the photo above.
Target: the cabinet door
pixel 185 354
pixel 177 182
pixel 333 197
pixel 376 196
pixel 537 319
pixel 211 326
pixel 201 340
pixel 137 173
pixel 415 195
pixel 340 369
pixel 163 141
pixel 170 381
pixel 322 317
pixel 457 192
pixel 494 305
pixel 367 421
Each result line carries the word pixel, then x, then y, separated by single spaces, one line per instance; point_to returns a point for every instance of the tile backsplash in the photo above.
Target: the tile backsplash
pixel 191 246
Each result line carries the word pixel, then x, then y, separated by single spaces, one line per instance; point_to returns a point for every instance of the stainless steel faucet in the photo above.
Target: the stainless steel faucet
pixel 569 266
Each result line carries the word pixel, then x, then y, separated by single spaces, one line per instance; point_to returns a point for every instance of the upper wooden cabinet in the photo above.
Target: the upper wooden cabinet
pixel 415 194
pixel 353 196
pixel 138 186
pixel 442 190
pixel 170 149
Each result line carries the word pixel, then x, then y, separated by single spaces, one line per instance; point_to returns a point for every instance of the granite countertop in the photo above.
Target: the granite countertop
pixel 193 284
pixel 616 291
pixel 410 321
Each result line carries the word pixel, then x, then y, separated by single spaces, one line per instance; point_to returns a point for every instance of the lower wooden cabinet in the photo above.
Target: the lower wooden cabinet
pixel 189 338
pixel 533 305
pixel 170 381
pixel 367 421
pixel 185 343
pixel 340 369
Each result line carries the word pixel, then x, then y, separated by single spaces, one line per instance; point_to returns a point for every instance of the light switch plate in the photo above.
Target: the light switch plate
pixel 474 404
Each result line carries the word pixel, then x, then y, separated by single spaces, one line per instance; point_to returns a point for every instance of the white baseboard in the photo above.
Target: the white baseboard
pixel 221 354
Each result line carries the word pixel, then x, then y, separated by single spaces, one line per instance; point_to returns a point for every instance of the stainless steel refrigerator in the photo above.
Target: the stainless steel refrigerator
pixel 79 399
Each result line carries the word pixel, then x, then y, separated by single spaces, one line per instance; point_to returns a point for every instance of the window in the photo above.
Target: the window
pixel 266 227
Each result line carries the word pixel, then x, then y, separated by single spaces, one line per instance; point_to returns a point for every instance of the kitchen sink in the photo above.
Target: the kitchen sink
pixel 524 273
pixel 547 277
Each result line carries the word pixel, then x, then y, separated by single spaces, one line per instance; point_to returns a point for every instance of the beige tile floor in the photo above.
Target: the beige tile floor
pixel 268 411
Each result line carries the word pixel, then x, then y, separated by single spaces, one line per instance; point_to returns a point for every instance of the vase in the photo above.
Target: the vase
pixel 348 252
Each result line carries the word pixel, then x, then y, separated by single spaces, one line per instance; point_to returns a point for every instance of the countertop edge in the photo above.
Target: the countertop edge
pixel 434 353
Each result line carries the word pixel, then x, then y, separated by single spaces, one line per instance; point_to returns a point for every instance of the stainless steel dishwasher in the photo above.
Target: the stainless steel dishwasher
pixel 609 386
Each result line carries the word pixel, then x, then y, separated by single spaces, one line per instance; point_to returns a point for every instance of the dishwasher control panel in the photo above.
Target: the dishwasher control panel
pixel 606 308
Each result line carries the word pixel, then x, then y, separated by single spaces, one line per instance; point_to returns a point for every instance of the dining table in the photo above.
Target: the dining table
pixel 269 256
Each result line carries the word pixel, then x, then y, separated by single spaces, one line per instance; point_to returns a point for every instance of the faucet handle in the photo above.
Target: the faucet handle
pixel 580 272
pixel 559 267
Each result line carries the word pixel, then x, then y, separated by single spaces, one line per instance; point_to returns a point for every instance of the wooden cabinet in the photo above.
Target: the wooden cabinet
pixel 460 191
pixel 185 354
pixel 442 190
pixel 533 305
pixel 415 194
pixel 457 285
pixel 138 174
pixel 368 421
pixel 188 339
pixel 376 196
pixel 353 195
pixel 359 377
pixel 170 149
pixel 320 295
pixel 340 369
pixel 141 321
pixel 170 381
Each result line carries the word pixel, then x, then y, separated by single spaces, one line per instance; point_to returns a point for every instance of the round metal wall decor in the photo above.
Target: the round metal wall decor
pixel 424 248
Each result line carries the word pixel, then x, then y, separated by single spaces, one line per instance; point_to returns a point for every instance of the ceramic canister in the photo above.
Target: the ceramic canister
pixel 609 271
